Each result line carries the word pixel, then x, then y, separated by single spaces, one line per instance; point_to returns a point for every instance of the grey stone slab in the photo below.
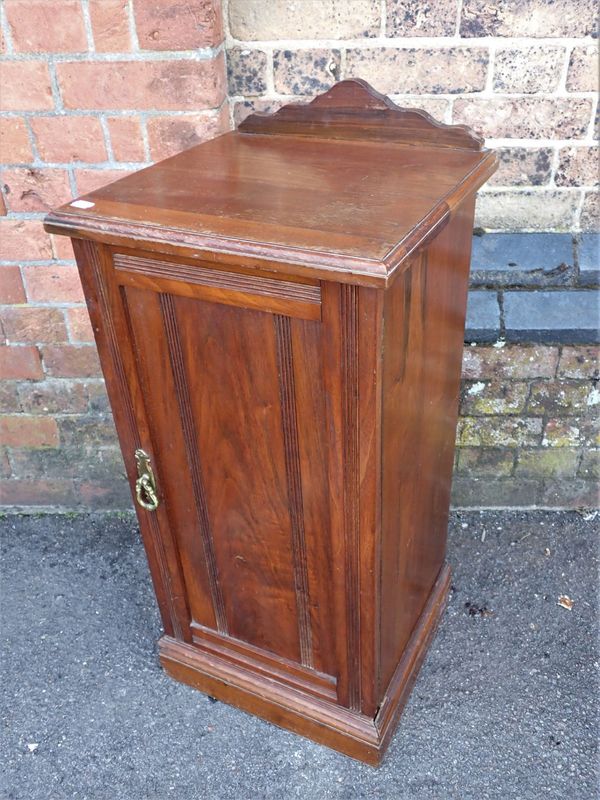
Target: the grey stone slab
pixel 522 259
pixel 588 256
pixel 505 705
pixel 561 316
pixel 483 317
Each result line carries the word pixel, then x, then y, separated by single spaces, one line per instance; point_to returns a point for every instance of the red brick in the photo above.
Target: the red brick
pixel 168 25
pixel 525 117
pixel 9 396
pixel 110 26
pixel 18 430
pixel 33 189
pixel 3 211
pixel 170 135
pixel 27 325
pixel 23 240
pixel 69 361
pixel 153 85
pixel 20 363
pixel 515 362
pixel 14 141
pixel 5 469
pixel 80 325
pixel 47 26
pixel 62 247
pixel 88 180
pixel 126 138
pixel 25 86
pixel 34 493
pixel 11 285
pixel 53 284
pixel 65 139
pixel 53 397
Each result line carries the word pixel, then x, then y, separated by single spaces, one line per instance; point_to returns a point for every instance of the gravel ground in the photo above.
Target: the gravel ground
pixel 505 706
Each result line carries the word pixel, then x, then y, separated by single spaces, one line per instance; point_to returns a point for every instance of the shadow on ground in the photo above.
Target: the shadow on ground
pixel 505 706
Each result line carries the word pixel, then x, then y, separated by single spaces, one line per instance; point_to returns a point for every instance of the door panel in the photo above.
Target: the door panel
pixel 236 411
pixel 171 466
pixel 230 365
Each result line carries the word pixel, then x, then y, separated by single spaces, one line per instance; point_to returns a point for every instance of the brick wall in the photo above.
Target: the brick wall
pixel 92 89
pixel 522 72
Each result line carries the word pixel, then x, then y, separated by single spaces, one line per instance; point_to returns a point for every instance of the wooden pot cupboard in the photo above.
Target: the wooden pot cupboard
pixel 280 316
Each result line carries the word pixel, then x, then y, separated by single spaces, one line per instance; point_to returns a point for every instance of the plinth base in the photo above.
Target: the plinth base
pixel 324 721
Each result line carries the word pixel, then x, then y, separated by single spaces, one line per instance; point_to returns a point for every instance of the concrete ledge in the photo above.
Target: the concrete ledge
pixel 522 259
pixel 534 287
pixel 552 316
pixel 588 252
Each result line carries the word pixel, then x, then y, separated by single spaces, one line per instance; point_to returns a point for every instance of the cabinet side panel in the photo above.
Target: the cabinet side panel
pixel 423 340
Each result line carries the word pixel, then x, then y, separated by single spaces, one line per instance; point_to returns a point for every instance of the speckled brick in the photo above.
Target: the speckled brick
pixel 408 18
pixel 590 430
pixel 524 18
pixel 579 362
pixel 528 69
pixel 498 431
pixel 526 117
pixel 509 210
pixel 590 212
pixel 590 464
pixel 305 72
pixel 496 397
pixel 523 166
pixel 515 362
pixel 485 461
pixel 578 166
pixel 246 71
pixel 582 75
pixel 432 70
pixel 560 462
pixel 437 107
pixel 243 108
pixel 562 433
pixel 251 20
pixel 559 398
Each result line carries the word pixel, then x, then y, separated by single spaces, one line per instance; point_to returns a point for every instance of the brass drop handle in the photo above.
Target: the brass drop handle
pixel 145 486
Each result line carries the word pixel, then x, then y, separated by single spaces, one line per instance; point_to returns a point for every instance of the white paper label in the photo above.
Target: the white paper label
pixel 82 204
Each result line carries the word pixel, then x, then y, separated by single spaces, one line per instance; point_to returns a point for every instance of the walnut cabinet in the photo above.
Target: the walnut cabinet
pixel 279 314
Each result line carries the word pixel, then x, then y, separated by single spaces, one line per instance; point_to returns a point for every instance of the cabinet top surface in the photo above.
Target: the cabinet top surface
pixel 348 183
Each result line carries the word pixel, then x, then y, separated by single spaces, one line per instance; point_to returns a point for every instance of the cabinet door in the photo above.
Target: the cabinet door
pixel 218 376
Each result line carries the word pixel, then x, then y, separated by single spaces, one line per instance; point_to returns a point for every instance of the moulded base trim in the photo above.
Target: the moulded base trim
pixel 321 720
